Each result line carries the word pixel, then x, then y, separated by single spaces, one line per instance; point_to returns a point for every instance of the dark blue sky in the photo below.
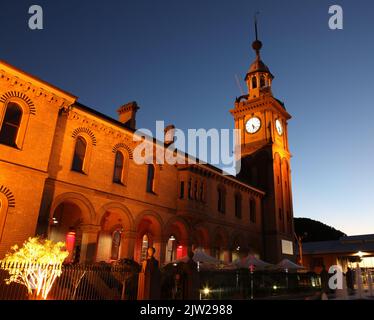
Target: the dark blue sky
pixel 178 60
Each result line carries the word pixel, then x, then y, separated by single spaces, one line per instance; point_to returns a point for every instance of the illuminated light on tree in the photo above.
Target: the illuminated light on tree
pixel 36 265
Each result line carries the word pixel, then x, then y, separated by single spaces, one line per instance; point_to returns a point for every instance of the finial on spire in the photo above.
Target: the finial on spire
pixel 257 44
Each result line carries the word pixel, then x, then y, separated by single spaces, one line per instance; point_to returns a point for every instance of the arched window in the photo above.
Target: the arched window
pixel 221 200
pixel 2 216
pixel 145 245
pixel 181 194
pixel 171 249
pixel 151 179
pixel 238 205
pixel 262 81
pixel 252 211
pixel 11 125
pixel 3 213
pixel 254 83
pixel 118 167
pixel 196 190
pixel 281 220
pixel 189 189
pixel 202 195
pixel 79 155
pixel 116 242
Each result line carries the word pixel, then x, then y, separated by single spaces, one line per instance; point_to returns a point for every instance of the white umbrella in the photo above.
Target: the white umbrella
pixel 286 264
pixel 251 261
pixel 200 257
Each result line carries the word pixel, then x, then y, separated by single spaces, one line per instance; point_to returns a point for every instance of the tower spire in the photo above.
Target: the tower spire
pixel 258 77
pixel 256 25
pixel 257 44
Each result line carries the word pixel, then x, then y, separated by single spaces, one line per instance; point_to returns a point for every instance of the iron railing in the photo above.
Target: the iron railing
pixel 82 282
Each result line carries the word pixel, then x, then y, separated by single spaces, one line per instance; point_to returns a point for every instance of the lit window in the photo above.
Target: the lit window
pixel 79 155
pixel 116 242
pixel 151 178
pixel 145 245
pixel 11 125
pixel 118 167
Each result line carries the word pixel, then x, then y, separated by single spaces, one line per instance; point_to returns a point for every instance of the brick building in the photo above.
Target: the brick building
pixel 67 172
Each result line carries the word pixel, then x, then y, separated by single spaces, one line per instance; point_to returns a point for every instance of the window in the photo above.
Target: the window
pixel 79 155
pixel 202 192
pixel 118 168
pixel 189 189
pixel 252 210
pixel 151 178
pixel 254 83
pixel 195 190
pixel 281 220
pixel 181 194
pixel 221 200
pixel 262 81
pixel 11 125
pixel 171 249
pixel 2 218
pixel 145 245
pixel 116 242
pixel 238 206
pixel 4 203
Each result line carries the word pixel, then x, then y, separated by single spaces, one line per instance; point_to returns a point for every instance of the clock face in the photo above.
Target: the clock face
pixel 253 125
pixel 279 127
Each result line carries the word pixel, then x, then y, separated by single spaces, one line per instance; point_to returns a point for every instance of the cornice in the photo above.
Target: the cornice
pixel 33 91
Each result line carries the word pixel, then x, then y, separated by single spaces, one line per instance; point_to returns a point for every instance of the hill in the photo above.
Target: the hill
pixel 313 230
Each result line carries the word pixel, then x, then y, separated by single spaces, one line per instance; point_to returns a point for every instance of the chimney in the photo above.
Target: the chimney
pixel 169 134
pixel 127 114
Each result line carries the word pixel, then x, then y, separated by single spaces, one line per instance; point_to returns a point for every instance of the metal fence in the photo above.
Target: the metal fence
pixel 82 282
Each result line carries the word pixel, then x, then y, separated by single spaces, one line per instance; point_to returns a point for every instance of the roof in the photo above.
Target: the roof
pixel 348 244
pixel 198 162
pixel 258 66
pixel 73 100
pixel 43 84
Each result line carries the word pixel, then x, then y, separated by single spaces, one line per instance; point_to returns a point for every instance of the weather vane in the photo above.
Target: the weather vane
pixel 256 14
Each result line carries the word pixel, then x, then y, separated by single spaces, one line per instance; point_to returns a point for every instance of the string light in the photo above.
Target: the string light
pixel 36 265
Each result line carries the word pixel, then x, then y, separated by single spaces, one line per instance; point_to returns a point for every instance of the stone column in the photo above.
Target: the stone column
pixel 128 245
pixel 89 243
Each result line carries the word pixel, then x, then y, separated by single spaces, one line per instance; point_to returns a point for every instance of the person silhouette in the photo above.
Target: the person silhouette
pixel 149 278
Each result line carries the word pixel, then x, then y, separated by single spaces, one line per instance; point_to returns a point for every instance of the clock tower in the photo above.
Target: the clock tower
pixel 265 156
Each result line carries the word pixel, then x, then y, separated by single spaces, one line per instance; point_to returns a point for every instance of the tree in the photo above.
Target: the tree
pixel 36 265
pixel 312 230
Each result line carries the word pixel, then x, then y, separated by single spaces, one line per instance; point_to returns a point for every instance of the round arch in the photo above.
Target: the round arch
pixel 201 237
pixel 88 211
pixel 121 209
pixel 177 236
pixel 147 223
pixel 220 242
